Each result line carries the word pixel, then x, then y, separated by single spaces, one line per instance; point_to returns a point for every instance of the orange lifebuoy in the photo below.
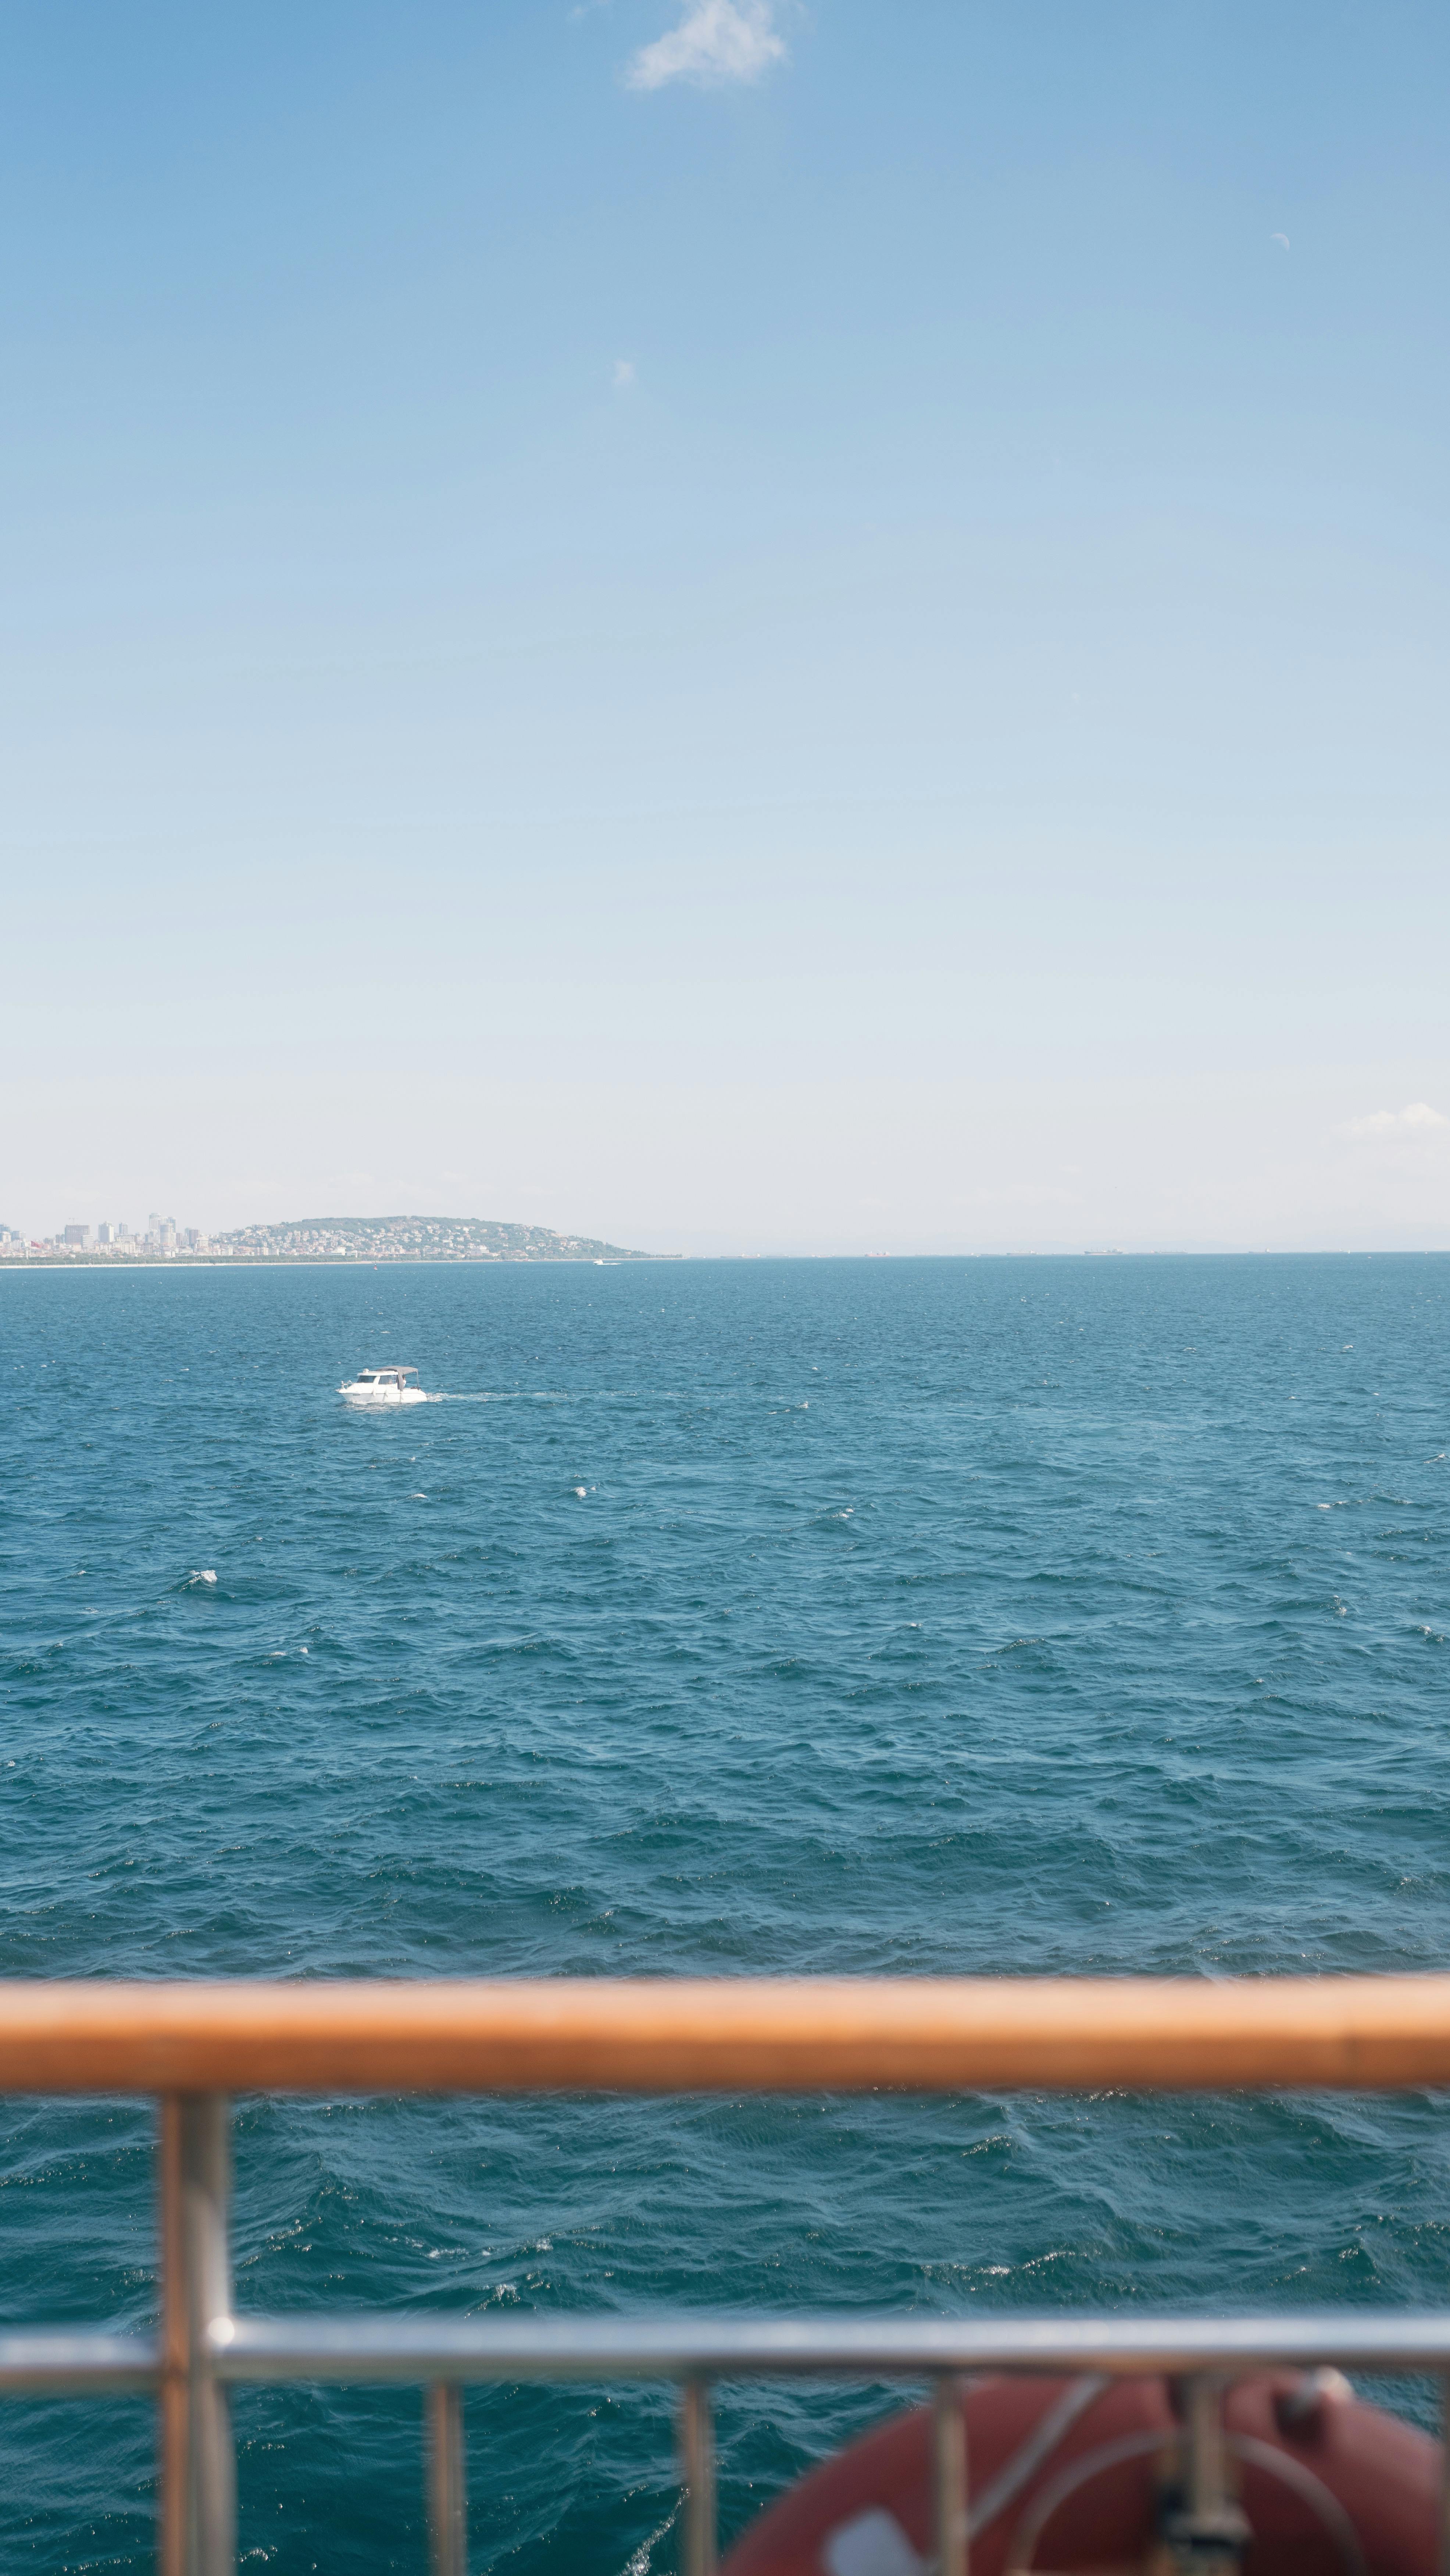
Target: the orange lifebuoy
pixel 1072 2473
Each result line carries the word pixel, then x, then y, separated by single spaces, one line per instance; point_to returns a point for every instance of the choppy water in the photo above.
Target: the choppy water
pixel 772 1616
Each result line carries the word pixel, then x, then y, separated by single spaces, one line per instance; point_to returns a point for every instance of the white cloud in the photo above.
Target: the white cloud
pixel 716 40
pixel 623 374
pixel 1416 1119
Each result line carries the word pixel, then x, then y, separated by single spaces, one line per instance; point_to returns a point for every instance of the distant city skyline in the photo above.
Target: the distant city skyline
pixel 394 1238
pixel 77 1234
pixel 729 626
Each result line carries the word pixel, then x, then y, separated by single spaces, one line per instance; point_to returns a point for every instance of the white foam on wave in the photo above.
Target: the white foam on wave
pixel 506 1395
pixel 638 2563
pixel 202 1574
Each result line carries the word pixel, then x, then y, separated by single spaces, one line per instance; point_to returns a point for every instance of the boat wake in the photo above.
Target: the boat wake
pixel 507 1395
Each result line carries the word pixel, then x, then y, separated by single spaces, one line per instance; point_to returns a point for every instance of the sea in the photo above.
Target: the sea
pixel 1062 1616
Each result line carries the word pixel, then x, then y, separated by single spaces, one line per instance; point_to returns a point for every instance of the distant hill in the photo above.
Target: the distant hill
pixel 416 1238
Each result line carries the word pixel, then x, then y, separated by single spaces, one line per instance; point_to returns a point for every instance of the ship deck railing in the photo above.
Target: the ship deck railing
pixel 194 2046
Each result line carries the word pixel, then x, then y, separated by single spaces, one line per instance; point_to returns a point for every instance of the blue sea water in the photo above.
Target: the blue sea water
pixel 881 1616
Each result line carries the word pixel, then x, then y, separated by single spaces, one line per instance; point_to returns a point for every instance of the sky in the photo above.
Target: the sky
pixel 743 625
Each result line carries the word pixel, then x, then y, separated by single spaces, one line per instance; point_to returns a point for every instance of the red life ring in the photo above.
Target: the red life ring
pixel 1071 2473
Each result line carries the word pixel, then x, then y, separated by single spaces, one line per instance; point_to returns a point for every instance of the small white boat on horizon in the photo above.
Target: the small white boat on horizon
pixel 382 1386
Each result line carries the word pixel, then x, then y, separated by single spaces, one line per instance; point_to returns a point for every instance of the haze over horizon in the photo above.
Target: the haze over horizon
pixel 729 626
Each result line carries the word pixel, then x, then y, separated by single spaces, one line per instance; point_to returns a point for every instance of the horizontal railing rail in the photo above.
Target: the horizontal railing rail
pixel 729 2034
pixel 194 2045
pixel 368 2351
pixel 62 2362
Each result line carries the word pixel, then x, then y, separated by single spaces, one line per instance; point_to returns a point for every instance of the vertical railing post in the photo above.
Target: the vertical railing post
pixel 1205 2481
pixel 949 2474
pixel 697 2462
pixel 1443 2535
pixel 447 2480
pixel 198 2467
pixel 1206 2532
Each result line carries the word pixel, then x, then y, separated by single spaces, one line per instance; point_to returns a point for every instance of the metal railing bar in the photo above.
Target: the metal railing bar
pixel 697 2463
pixel 447 2480
pixel 727 2034
pixel 1022 2467
pixel 949 2475
pixel 199 2463
pixel 174 2413
pixel 410 2349
pixel 83 2361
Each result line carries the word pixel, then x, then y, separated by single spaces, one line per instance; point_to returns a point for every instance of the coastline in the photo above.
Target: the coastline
pixel 332 1261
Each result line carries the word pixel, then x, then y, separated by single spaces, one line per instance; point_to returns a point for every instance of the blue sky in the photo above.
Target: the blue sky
pixel 758 626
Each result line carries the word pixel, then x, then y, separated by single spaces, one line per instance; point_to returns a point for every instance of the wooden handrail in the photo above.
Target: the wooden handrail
pixel 728 2035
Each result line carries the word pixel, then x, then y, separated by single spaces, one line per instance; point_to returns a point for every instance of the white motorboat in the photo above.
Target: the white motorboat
pixel 382 1386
